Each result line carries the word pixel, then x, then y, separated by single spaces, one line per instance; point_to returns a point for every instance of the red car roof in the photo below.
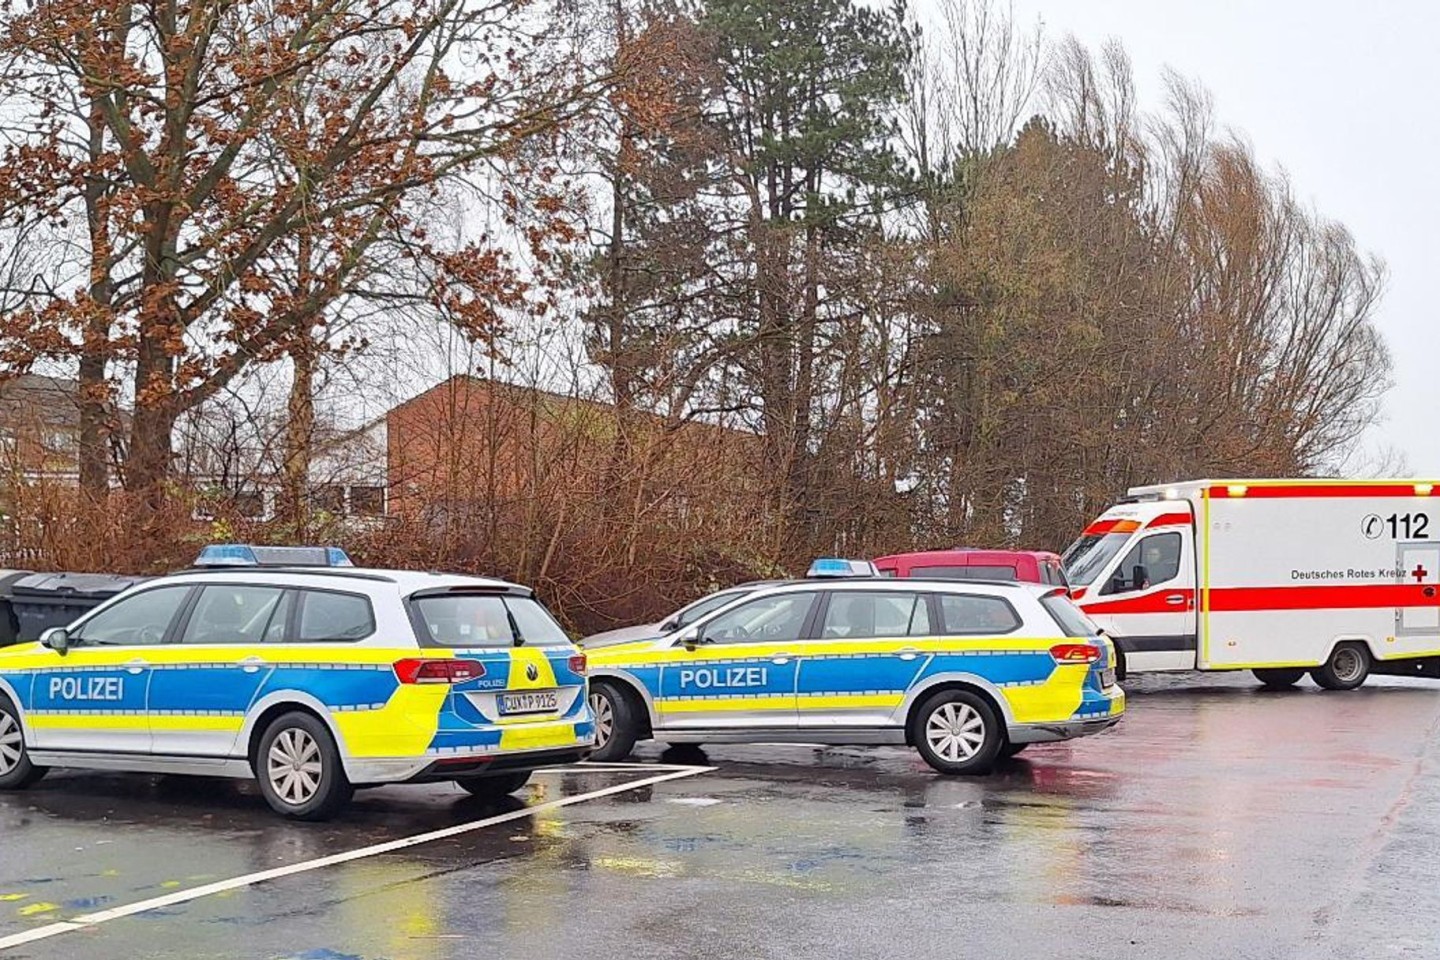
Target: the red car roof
pixel 966 558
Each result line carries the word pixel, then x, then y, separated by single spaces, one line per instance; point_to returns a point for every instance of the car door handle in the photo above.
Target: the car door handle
pixel 1175 599
pixel 908 653
pixel 251 664
pixel 136 666
pixel 782 658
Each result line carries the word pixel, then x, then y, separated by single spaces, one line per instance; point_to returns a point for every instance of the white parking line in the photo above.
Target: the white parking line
pixel 390 846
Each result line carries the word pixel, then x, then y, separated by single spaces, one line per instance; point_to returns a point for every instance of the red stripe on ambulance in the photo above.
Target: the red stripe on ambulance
pixel 1339 597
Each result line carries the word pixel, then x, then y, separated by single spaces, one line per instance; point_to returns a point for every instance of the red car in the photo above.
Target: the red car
pixel 964 563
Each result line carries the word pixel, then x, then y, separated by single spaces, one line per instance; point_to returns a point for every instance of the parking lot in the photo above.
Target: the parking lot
pixel 1216 820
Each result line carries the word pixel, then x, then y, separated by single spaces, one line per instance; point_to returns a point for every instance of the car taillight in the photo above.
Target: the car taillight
pixel 577 664
pixel 1075 653
pixel 437 670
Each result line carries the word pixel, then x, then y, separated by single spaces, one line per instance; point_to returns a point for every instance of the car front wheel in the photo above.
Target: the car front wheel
pixel 299 769
pixel 616 726
pixel 16 770
pixel 957 732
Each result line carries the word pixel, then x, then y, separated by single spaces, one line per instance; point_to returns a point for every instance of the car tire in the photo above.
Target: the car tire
pixel 1012 749
pixel 1346 669
pixel 16 770
pixel 1279 678
pixel 493 788
pixel 616 725
pixel 958 733
pixel 299 769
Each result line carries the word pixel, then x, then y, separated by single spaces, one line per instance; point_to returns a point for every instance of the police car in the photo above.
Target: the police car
pixel 966 672
pixel 293 667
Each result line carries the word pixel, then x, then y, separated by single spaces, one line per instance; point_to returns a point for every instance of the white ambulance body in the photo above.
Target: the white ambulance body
pixel 1337 578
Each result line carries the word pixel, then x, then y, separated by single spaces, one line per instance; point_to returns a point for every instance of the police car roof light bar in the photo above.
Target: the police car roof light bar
pixel 834 567
pixel 245 555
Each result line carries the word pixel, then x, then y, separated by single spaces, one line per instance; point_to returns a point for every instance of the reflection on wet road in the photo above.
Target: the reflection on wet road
pixel 1216 821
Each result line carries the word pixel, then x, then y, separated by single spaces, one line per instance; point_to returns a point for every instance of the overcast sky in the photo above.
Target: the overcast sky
pixel 1342 96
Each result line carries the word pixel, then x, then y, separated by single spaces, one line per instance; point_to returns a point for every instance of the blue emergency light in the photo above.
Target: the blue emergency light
pixel 245 555
pixel 833 567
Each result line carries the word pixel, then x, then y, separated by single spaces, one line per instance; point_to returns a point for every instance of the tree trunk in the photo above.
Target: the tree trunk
pixel 299 437
pixel 93 394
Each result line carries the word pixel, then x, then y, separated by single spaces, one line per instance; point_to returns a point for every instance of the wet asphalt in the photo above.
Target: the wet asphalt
pixel 1216 821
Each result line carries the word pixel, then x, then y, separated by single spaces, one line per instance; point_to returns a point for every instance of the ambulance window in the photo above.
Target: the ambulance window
pixel 232 613
pixel 327 616
pixel 852 615
pixel 1151 562
pixel 141 618
pixel 968 614
pixel 778 617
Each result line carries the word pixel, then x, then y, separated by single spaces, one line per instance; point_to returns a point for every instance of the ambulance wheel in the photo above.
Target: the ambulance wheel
pixel 493 788
pixel 957 732
pixel 1278 678
pixel 616 725
pixel 299 769
pixel 16 770
pixel 1347 668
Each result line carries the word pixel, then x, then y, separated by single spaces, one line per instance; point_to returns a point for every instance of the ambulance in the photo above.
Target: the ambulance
pixel 1339 579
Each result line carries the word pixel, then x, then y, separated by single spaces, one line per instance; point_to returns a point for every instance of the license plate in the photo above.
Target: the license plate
pixel 541 701
pixel 1107 677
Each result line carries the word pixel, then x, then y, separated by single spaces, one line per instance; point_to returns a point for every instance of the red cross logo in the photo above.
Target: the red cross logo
pixel 1419 573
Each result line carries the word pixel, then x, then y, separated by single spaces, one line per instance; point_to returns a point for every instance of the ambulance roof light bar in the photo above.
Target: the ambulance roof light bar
pixel 833 567
pixel 246 555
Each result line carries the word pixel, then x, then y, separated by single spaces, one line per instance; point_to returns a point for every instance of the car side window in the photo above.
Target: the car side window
pixel 856 615
pixel 329 616
pixel 778 617
pixel 141 619
pixel 278 629
pixel 1152 561
pixel 973 614
pixel 232 613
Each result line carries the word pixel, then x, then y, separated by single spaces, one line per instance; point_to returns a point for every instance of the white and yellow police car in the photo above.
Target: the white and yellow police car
pixel 293 667
pixel 965 672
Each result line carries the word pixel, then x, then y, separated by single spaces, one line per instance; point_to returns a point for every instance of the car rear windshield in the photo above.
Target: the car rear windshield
pixel 1091 554
pixel 485 620
pixel 1068 616
pixel 974 572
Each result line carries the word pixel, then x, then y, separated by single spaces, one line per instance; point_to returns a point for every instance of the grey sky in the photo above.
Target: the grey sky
pixel 1341 95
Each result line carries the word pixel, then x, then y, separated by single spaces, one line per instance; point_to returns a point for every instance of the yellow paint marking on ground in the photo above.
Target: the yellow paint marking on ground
pixel 36 908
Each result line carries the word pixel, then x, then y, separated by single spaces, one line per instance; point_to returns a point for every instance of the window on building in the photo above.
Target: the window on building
pixel 328 498
pixel 367 501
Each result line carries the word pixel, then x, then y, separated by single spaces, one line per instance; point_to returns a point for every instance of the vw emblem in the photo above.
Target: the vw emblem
pixel 532 672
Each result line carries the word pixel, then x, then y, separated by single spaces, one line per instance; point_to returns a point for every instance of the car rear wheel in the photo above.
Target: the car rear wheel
pixel 1011 749
pixel 616 726
pixel 493 788
pixel 1278 678
pixel 16 770
pixel 1347 668
pixel 299 769
pixel 958 733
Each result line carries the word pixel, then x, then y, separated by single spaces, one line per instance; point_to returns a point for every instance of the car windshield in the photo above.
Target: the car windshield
pixel 709 604
pixel 487 620
pixel 1089 555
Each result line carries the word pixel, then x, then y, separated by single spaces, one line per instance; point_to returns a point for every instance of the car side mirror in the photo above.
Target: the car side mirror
pixel 57 639
pixel 690 639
